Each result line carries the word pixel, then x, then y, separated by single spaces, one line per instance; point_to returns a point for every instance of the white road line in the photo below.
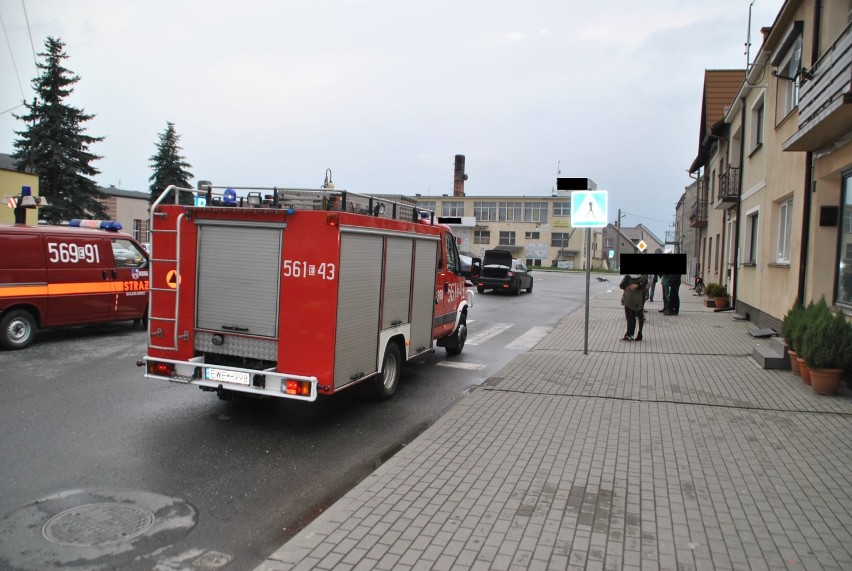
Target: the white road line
pixel 486 334
pixel 529 339
pixel 457 365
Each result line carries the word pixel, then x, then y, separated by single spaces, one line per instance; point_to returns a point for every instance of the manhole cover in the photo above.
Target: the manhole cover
pixel 98 524
pixel 93 529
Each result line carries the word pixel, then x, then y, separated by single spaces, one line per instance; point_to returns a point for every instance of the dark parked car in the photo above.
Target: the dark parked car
pixel 502 273
pixel 470 266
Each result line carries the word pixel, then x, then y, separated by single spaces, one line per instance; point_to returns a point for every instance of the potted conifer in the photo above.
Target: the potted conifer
pixel 788 325
pixel 721 299
pixel 710 291
pixel 827 350
pixel 808 321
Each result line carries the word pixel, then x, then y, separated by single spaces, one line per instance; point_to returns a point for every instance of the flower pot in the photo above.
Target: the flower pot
pixel 794 362
pixel 826 381
pixel 804 371
pixel 721 302
pixel 710 302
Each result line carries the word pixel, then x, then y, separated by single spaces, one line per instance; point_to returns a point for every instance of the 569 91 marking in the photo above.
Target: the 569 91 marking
pixel 303 269
pixel 68 252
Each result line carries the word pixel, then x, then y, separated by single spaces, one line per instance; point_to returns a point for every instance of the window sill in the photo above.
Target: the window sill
pixel 749 264
pixel 754 150
pixel 785 265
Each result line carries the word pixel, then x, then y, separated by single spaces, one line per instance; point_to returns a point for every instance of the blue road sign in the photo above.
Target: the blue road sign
pixel 588 208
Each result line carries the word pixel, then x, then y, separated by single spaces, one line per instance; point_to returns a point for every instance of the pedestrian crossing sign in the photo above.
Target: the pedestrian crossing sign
pixel 588 208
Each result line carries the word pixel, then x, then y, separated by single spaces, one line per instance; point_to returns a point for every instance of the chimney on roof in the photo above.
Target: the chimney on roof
pixel 459 177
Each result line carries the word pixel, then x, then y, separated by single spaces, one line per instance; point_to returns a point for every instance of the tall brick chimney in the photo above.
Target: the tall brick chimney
pixel 460 177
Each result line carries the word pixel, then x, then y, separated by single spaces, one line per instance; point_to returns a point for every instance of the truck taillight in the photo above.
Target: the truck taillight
pixel 297 388
pixel 332 220
pixel 160 369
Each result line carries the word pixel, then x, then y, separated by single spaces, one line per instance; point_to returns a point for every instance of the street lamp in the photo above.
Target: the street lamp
pixel 26 201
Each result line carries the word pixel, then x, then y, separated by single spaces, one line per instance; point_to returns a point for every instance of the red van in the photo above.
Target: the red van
pixel 54 276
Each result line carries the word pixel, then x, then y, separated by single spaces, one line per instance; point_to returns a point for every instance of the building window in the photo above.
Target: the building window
pixel 452 208
pixel 844 266
pixel 785 223
pixel 507 238
pixel 789 79
pixel 713 187
pixel 140 230
pixel 718 253
pixel 560 239
pixel 485 210
pixel 757 125
pixel 532 235
pixel 533 263
pixel 562 209
pixel 482 236
pixel 510 211
pixel 426 205
pixel 751 238
pixel 535 212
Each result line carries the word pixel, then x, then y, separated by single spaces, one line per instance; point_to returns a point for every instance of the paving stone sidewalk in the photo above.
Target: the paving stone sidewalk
pixel 677 452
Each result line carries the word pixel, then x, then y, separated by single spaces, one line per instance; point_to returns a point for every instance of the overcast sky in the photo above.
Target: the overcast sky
pixel 386 92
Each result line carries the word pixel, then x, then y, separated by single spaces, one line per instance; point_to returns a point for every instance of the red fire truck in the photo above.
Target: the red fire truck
pixel 293 293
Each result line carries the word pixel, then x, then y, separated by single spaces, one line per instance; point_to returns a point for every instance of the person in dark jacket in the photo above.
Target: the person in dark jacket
pixel 674 295
pixel 633 300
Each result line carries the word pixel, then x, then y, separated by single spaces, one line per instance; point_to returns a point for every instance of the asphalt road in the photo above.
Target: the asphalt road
pixel 172 478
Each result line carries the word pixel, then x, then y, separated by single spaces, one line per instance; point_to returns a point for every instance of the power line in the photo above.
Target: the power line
pixel 643 217
pixel 14 64
pixel 30 32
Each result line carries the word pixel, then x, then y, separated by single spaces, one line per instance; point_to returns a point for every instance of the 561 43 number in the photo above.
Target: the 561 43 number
pixel 303 269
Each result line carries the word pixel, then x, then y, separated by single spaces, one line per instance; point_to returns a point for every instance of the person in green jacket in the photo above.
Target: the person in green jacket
pixel 633 300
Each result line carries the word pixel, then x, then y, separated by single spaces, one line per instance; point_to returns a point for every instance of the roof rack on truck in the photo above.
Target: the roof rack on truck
pixel 209 196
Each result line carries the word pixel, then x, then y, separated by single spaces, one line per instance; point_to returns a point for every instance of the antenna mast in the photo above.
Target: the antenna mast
pixel 748 36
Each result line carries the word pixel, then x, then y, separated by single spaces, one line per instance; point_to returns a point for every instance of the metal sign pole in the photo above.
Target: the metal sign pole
pixel 588 276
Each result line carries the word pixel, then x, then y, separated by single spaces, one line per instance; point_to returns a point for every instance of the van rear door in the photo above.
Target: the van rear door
pixel 80 287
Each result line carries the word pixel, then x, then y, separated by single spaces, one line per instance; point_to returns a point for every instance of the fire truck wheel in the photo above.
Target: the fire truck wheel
pixel 17 329
pixel 385 383
pixel 458 338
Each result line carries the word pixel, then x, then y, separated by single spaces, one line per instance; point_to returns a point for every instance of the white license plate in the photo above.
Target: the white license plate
pixel 227 376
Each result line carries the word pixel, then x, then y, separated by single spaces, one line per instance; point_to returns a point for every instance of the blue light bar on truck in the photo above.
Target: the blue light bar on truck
pixel 110 225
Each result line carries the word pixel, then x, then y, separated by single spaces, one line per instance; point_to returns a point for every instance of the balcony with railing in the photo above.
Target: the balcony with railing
pixel 825 98
pixel 729 187
pixel 698 214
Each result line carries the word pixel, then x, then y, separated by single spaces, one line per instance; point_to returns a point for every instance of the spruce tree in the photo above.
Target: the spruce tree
pixel 54 145
pixel 169 166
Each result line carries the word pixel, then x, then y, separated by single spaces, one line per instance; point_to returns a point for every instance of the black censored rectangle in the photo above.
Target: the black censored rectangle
pixel 572 183
pixel 653 264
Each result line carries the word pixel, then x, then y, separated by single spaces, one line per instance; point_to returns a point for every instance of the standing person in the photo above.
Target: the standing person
pixel 664 279
pixel 633 300
pixel 674 295
pixel 651 287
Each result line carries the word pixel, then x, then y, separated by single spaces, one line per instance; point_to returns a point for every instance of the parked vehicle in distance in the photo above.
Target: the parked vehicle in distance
pixel 471 266
pixel 59 276
pixel 500 272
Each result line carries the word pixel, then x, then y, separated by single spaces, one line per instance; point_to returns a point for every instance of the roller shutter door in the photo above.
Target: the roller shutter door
pixel 238 279
pixel 358 296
